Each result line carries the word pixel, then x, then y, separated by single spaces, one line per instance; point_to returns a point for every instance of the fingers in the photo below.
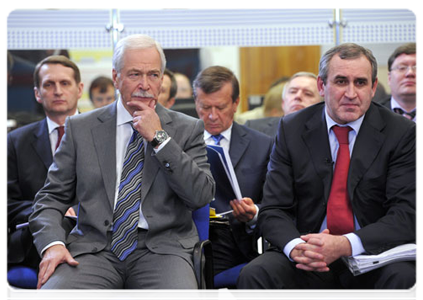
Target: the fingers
pixel 244 210
pixel 70 212
pixel 53 257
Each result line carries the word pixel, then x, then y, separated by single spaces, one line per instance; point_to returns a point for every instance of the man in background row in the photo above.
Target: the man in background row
pixel 299 92
pixel 102 91
pixel 168 89
pixel 216 92
pixel 30 150
pixel 402 81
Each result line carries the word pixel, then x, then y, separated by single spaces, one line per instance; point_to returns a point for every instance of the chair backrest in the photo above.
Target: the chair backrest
pixel 201 219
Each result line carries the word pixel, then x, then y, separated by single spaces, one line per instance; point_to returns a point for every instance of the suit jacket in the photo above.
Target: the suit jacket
pixel 381 179
pixel 267 125
pixel 249 151
pixel 28 159
pixel 176 181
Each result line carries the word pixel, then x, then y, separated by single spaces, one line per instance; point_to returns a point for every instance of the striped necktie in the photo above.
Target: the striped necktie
pixel 408 115
pixel 60 132
pixel 126 214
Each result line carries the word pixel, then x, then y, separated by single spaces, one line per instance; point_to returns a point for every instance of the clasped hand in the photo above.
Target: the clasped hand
pixel 319 250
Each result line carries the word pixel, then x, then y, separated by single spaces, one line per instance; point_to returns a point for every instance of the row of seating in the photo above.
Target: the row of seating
pixel 26 278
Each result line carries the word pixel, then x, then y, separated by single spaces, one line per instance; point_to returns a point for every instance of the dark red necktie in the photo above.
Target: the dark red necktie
pixel 340 218
pixel 61 131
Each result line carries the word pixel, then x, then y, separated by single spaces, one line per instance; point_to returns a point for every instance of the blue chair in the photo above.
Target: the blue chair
pixel 22 277
pixel 25 277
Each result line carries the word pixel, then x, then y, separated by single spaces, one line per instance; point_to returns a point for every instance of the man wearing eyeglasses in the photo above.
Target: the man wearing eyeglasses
pixel 402 81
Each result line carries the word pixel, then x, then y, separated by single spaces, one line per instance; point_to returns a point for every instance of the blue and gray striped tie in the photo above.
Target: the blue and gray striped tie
pixel 126 215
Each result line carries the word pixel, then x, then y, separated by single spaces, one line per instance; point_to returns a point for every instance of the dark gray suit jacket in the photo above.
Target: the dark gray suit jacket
pixel 176 181
pixel 267 126
pixel 381 179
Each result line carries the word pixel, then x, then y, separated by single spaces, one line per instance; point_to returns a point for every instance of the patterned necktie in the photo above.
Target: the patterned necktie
pixel 408 115
pixel 60 131
pixel 126 214
pixel 217 138
pixel 340 218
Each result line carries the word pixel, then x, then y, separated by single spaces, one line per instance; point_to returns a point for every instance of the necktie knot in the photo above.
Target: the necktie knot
pixel 408 115
pixel 217 138
pixel 341 133
pixel 60 131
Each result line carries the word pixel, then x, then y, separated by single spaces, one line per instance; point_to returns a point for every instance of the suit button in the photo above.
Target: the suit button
pixel 94 249
pixel 106 223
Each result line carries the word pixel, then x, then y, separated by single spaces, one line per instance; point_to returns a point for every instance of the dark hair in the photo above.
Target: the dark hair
pixel 60 60
pixel 346 51
pixel 101 82
pixel 213 78
pixel 173 84
pixel 409 48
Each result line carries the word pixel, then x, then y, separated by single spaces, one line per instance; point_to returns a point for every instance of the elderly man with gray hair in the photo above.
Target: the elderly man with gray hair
pixel 128 164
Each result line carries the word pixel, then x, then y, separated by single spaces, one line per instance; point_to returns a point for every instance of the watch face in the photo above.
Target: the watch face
pixel 161 136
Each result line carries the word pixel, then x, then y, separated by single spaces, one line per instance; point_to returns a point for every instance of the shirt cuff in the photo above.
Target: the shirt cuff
pixel 50 245
pixel 291 245
pixel 356 244
pixel 162 145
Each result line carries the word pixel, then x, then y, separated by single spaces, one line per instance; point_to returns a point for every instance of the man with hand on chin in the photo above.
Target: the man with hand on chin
pixel 128 164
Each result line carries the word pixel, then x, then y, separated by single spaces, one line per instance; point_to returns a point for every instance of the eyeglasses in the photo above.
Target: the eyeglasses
pixel 404 69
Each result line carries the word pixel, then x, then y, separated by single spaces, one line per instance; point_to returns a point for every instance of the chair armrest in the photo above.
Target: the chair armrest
pixel 203 264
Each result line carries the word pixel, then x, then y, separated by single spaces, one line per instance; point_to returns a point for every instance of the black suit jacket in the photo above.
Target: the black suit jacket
pixel 28 159
pixel 381 179
pixel 249 151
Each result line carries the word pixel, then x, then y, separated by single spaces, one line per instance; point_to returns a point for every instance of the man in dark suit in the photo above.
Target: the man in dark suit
pixel 128 165
pixel 402 81
pixel 300 91
pixel 30 150
pixel 303 199
pixel 216 92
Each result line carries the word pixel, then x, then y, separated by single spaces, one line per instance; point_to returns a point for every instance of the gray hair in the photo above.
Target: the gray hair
pixel 346 51
pixel 136 41
pixel 299 74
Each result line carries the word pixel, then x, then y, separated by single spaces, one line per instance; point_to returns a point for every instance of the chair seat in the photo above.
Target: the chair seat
pixel 228 277
pixel 339 297
pixel 22 277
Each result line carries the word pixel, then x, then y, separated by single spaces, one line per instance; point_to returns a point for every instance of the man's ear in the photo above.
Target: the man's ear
pixel 321 86
pixel 37 95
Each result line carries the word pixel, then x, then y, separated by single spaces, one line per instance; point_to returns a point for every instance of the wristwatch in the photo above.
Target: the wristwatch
pixel 159 138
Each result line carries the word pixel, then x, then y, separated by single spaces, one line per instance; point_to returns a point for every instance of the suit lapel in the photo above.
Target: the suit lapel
pixel 151 168
pixel 41 143
pixel 104 138
pixel 317 141
pixel 238 145
pixel 367 145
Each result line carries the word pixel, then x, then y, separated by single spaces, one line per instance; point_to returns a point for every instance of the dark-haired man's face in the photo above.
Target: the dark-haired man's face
pixel 100 98
pixel 58 92
pixel 403 84
pixel 216 109
pixel 348 90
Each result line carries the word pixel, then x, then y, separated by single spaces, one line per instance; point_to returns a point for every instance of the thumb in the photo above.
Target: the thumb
pixel 71 261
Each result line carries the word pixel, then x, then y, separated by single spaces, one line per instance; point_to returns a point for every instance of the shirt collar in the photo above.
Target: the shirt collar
pixel 51 125
pixel 226 134
pixel 123 116
pixel 395 104
pixel 355 125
